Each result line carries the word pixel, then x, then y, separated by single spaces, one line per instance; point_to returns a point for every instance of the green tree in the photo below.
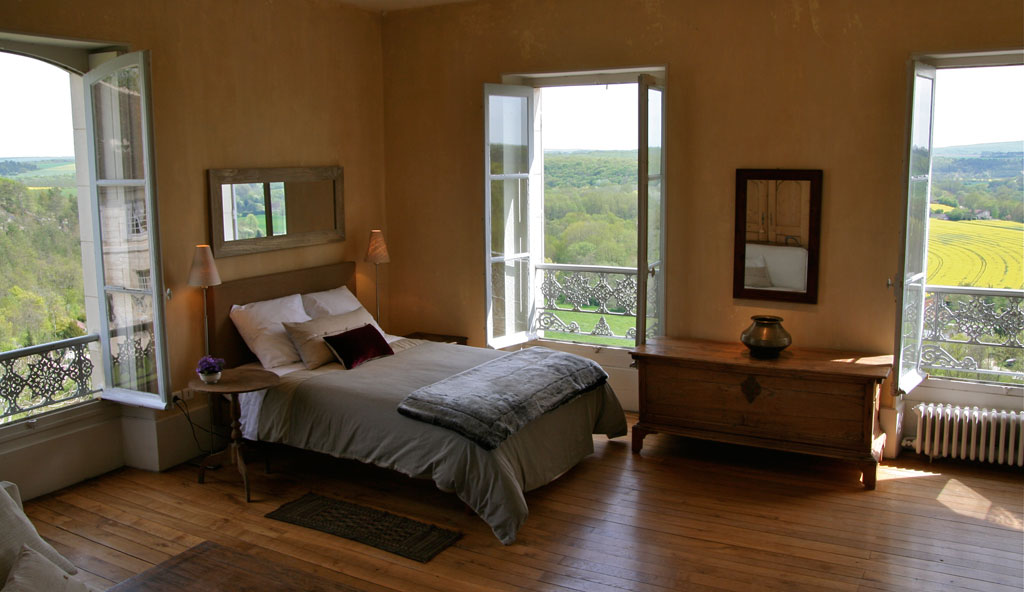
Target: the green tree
pixel 41 288
pixel 590 207
pixel 26 312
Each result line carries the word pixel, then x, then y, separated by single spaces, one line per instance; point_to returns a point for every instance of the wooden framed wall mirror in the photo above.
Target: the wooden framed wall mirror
pixel 778 223
pixel 264 209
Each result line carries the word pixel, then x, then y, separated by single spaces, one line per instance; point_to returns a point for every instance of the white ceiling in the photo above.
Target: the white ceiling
pixel 386 5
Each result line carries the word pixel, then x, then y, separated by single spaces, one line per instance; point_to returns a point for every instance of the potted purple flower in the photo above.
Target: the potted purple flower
pixel 209 369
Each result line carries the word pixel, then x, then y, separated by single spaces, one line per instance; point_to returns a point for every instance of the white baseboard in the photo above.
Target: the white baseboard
pixel 156 441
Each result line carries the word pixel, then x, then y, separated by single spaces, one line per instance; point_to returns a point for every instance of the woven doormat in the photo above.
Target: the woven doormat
pixel 377 528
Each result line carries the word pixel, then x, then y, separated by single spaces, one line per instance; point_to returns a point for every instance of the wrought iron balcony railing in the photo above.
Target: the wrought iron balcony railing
pixel 45 377
pixel 974 333
pixel 587 304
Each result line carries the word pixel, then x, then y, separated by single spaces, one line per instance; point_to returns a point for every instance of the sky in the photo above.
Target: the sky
pixel 971 107
pixel 590 117
pixel 979 105
pixel 36 120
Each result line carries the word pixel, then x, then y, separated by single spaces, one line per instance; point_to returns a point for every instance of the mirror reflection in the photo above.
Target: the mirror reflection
pixel 245 212
pixel 776 252
pixel 254 210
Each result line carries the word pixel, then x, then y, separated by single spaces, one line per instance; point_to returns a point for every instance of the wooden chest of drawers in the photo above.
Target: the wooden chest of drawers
pixel 820 402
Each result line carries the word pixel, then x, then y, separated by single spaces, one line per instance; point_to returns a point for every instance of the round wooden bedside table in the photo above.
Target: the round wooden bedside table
pixel 233 382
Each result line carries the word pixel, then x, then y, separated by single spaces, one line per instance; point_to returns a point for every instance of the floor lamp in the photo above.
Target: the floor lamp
pixel 204 274
pixel 377 253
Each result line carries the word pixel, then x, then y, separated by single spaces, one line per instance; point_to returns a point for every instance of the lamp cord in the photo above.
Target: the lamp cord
pixel 183 407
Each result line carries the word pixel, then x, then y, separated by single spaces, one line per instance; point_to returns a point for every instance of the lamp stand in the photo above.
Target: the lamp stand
pixel 376 289
pixel 206 326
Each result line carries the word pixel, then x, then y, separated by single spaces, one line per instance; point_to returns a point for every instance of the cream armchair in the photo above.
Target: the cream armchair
pixel 27 562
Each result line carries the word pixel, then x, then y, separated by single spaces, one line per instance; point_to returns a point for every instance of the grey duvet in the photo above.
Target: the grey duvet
pixel 492 401
pixel 353 414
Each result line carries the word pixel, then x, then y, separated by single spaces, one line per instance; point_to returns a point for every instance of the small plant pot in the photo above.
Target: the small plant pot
pixel 211 378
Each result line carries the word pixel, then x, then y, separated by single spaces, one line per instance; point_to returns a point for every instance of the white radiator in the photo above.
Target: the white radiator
pixel 984 435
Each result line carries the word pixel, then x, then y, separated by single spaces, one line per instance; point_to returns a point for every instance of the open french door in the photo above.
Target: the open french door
pixel 650 210
pixel 914 264
pixel 123 188
pixel 509 213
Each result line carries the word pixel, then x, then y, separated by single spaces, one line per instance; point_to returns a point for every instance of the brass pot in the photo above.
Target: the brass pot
pixel 766 337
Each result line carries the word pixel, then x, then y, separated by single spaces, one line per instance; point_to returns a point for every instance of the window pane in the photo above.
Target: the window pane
pixel 654 305
pixel 912 321
pixel 508 135
pixel 244 211
pixel 277 209
pixel 653 131
pixel 509 217
pixel 510 297
pixel 125 249
pixel 920 177
pixel 915 254
pixel 132 346
pixel 654 222
pixel 142 277
pixel 117 109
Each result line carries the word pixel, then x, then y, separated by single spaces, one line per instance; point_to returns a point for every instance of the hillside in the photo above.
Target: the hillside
pixel 976 150
pixel 982 253
pixel 41 287
pixel 590 208
pixel 40 172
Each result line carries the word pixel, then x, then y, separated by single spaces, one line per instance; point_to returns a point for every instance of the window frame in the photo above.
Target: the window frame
pixel 645 268
pixel 147 182
pixel 529 85
pixel 510 338
pixel 83 60
pixel 926 65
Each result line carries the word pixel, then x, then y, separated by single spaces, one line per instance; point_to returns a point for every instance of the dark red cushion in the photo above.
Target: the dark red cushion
pixel 358 345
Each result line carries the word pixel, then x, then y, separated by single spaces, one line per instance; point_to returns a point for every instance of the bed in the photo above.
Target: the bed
pixel 352 413
pixel 775 267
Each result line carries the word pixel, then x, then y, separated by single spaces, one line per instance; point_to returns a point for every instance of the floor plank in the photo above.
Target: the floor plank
pixel 683 515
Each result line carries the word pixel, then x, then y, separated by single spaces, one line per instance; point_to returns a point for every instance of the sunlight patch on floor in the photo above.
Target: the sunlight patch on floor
pixel 963 500
pixel 1004 517
pixel 890 472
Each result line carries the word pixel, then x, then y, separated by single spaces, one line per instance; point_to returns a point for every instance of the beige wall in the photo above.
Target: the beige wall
pixel 242 83
pixel 772 84
pixel 751 83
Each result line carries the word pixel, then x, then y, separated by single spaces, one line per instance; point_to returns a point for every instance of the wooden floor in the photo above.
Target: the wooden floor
pixel 683 515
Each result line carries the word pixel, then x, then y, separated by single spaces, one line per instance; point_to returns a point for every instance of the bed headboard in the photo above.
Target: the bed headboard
pixel 225 342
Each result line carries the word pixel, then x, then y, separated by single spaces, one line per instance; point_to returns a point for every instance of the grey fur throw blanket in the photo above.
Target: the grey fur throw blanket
pixel 490 402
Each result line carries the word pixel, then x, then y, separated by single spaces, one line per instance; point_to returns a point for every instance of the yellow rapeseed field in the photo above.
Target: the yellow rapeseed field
pixel 982 253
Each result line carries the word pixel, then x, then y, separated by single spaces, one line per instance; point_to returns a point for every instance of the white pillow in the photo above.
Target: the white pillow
pixel 259 323
pixel 755 274
pixel 308 337
pixel 17 530
pixel 330 302
pixel 33 572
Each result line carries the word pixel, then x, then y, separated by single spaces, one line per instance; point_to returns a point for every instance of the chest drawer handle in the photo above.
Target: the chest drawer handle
pixel 750 388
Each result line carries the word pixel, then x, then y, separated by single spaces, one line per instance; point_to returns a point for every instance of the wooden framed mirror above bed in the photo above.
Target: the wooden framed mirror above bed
pixel 225 342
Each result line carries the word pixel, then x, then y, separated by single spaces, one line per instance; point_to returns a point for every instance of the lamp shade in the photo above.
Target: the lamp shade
pixel 377 250
pixel 204 268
